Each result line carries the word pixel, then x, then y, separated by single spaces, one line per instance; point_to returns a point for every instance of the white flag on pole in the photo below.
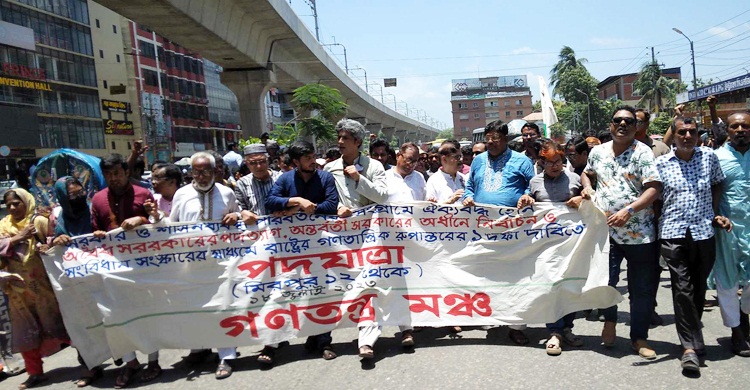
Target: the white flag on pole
pixel 549 116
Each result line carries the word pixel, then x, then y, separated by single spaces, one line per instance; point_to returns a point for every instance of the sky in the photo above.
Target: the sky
pixel 425 44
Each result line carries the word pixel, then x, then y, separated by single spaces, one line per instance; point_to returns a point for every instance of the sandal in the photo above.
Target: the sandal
pixel 571 339
pixel 553 345
pixel 267 355
pixel 89 377
pixel 328 353
pixel 407 339
pixel 223 370
pixel 33 381
pixel 366 352
pixel 127 374
pixel 518 337
pixel 151 372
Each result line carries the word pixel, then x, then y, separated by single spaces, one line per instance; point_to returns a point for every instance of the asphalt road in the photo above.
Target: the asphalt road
pixel 473 358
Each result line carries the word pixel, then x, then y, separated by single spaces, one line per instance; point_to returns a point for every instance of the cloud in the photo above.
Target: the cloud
pixel 721 32
pixel 523 50
pixel 609 41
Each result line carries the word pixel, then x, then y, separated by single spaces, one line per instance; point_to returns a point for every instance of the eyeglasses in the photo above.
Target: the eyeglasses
pixel 553 163
pixel 628 120
pixel 256 162
pixel 491 139
pixel 410 161
pixel 529 135
pixel 202 172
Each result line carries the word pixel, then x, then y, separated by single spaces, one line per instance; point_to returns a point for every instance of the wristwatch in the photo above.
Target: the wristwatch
pixel 631 210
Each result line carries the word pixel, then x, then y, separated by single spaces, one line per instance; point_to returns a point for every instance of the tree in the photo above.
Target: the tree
pixel 656 90
pixel 447 134
pixel 566 61
pixel 318 107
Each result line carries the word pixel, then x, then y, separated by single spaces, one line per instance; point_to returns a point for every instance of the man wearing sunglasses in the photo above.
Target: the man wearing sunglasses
pixel 627 183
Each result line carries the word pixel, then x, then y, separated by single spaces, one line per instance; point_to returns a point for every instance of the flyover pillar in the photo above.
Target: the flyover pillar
pixel 388 133
pixel 250 87
pixel 373 128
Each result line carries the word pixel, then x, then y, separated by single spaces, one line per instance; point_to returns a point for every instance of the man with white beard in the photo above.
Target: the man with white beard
pixel 206 200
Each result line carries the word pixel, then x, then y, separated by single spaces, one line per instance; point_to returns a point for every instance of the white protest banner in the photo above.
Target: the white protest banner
pixel 193 285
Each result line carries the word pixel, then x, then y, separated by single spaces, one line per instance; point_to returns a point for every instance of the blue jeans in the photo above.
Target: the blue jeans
pixel 643 279
pixel 565 322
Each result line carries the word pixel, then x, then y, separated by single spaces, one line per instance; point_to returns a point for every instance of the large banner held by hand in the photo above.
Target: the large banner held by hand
pixel 194 285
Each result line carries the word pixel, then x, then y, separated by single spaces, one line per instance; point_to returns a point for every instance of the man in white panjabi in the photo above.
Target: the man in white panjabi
pixel 206 200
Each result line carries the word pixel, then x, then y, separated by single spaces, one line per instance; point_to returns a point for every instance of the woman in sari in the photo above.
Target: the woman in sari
pixel 38 329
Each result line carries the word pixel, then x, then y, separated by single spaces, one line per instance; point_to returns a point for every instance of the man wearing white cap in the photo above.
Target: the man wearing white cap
pixel 252 189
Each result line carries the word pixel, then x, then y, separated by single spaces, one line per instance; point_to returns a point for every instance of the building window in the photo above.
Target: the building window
pixel 506 103
pixel 117 56
pixel 490 115
pixel 519 113
pixel 151 78
pixel 101 53
pixel 519 102
pixel 507 114
pixel 463 117
pixel 464 129
pixel 477 116
pixel 147 49
pixel 462 106
pixel 97 23
pixel 114 28
pixel 113 145
pixel 475 105
pixel 105 84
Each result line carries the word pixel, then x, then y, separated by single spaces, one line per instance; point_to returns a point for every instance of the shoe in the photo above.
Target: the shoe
pixel 455 329
pixel 407 339
pixel 644 350
pixel 518 337
pixel 609 333
pixel 267 355
pixel 33 381
pixel 366 352
pixel 553 345
pixel 329 353
pixel 690 362
pixel 571 339
pixel 745 324
pixel 126 375
pixel 656 320
pixel 740 346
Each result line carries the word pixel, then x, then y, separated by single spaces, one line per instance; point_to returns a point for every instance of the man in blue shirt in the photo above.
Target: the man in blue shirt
pixel 499 177
pixel 311 191
pixel 691 178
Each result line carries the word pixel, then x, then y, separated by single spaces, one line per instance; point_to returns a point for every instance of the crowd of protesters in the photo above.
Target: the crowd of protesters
pixel 686 200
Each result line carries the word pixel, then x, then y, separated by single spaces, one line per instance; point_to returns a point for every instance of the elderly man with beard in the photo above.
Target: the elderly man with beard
pixel 732 267
pixel 207 200
pixel 627 183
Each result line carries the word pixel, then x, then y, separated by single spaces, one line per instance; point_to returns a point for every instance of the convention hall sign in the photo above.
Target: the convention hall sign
pixel 28 84
pixel 191 285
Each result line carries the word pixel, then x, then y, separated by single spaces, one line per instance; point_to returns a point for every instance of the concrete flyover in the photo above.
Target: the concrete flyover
pixel 262 44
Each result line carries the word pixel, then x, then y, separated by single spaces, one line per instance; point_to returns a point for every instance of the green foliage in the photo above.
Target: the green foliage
pixel 447 134
pixel 659 124
pixel 319 107
pixel 656 90
pixel 566 61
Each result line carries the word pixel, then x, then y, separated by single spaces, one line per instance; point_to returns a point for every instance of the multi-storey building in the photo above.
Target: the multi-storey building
pixel 48 86
pixel 621 86
pixel 223 108
pixel 476 102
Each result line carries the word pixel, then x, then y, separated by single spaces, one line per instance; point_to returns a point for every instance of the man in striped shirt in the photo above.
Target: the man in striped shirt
pixel 252 189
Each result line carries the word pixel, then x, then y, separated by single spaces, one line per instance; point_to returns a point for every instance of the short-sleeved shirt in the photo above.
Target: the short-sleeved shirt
pixel 559 189
pixel 620 182
pixel 687 194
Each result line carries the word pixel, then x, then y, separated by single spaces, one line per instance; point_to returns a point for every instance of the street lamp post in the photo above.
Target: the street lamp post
pixel 381 91
pixel 588 103
pixel 394 101
pixel 367 89
pixel 346 61
pixel 695 80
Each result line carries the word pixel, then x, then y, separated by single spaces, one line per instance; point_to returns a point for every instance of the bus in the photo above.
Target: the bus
pixel 477 135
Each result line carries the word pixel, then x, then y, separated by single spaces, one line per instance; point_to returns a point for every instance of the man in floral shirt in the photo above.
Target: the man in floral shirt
pixel 627 183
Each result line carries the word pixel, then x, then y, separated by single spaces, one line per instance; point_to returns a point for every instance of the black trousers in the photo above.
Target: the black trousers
pixel 689 263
